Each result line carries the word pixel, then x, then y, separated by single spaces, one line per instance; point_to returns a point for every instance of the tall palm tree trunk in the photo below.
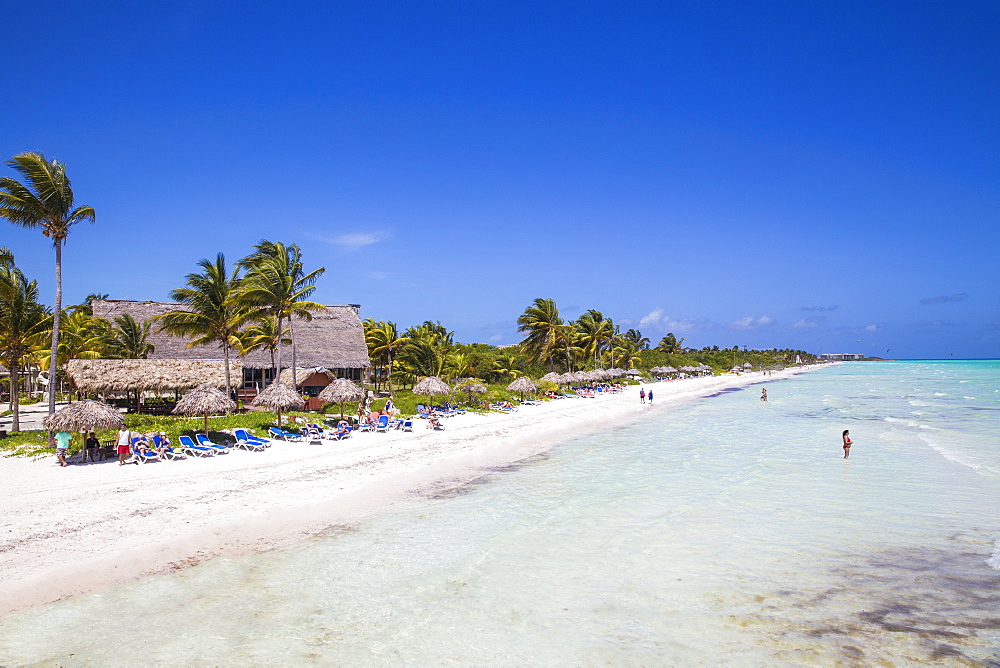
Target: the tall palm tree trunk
pixel 56 314
pixel 291 335
pixel 229 382
pixel 277 372
pixel 15 400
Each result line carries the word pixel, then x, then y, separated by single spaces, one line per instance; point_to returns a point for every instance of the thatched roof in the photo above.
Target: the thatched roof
pixel 84 416
pixel 430 386
pixel 278 396
pixel 333 339
pixel 522 384
pixel 342 390
pixel 121 375
pixel 301 374
pixel 551 377
pixel 204 400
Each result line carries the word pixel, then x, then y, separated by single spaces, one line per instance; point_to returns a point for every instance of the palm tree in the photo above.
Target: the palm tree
pixel 128 338
pixel 432 333
pixel 636 337
pixel 22 321
pixel 628 353
pixel 277 282
pixel 421 359
pixel 670 344
pixel 264 334
pixel 541 324
pixel 595 333
pixel 81 337
pixel 384 344
pixel 217 309
pixel 507 365
pixel 46 202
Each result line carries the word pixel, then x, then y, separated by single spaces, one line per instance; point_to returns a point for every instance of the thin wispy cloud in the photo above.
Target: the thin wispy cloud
pixel 658 320
pixel 377 275
pixel 753 322
pixel 353 241
pixel 833 307
pixel 871 329
pixel 810 321
pixel 944 299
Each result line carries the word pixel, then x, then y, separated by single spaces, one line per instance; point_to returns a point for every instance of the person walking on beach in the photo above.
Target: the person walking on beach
pixel 847 444
pixel 642 395
pixel 62 440
pixel 649 395
pixel 763 394
pixel 123 442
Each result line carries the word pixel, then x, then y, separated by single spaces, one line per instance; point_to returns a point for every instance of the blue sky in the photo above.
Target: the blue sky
pixel 795 174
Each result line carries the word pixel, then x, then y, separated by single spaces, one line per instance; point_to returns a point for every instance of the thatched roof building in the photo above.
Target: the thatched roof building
pixel 123 375
pixel 302 375
pixel 334 339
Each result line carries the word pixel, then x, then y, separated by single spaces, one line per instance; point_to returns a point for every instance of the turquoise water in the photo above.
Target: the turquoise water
pixel 723 531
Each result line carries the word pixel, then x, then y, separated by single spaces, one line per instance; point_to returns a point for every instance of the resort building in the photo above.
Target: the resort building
pixel 331 345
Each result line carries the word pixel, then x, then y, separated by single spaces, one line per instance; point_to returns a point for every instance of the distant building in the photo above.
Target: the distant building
pixel 842 356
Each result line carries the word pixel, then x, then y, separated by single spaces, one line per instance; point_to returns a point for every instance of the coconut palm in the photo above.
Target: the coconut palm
pixel 507 365
pixel 22 321
pixel 45 202
pixel 432 333
pixel 217 309
pixel 421 359
pixel 6 257
pixel 627 353
pixel 541 324
pixel 636 337
pixel 82 337
pixel 595 334
pixel 276 281
pixel 384 344
pixel 458 365
pixel 264 335
pixel 128 339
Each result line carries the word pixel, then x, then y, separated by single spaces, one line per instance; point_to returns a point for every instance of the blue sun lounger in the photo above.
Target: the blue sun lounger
pixel 192 449
pixel 169 453
pixel 141 454
pixel 248 441
pixel 206 442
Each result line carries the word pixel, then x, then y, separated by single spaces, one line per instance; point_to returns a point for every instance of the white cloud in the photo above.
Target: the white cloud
pixel 872 328
pixel 753 321
pixel 353 241
pixel 651 318
pixel 804 323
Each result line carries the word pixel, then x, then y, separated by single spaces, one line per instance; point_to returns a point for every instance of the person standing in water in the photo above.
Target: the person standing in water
pixel 847 444
pixel 763 394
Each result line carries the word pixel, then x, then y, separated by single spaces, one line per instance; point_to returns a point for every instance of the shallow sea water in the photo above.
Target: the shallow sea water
pixel 723 531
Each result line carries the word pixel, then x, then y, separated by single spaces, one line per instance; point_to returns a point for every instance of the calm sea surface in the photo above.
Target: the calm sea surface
pixel 724 531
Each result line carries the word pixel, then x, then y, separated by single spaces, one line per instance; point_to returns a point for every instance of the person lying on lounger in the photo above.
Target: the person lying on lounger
pixel 434 423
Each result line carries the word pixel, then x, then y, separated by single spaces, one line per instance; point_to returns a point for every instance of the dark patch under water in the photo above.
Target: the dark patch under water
pixel 938 605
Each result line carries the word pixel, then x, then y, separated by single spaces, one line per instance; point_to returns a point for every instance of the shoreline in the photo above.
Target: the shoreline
pixel 85 528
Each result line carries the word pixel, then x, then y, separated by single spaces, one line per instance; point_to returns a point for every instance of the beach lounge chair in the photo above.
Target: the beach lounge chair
pixel 247 442
pixel 169 453
pixel 192 449
pixel 407 425
pixel 206 442
pixel 141 454
pixel 382 424
pixel 279 433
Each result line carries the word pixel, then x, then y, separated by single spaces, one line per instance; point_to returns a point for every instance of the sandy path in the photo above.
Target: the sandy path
pixel 67 531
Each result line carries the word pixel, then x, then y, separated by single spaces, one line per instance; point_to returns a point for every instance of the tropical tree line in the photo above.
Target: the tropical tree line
pixel 400 357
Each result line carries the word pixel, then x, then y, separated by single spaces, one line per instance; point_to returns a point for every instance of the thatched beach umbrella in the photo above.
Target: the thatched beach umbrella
pixel 470 387
pixel 204 400
pixel 278 397
pixel 523 385
pixel 431 386
pixel 342 390
pixel 552 377
pixel 84 416
pixel 633 372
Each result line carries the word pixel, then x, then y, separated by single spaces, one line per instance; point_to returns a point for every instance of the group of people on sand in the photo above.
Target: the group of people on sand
pixel 126 443
pixel 645 396
pixel 63 439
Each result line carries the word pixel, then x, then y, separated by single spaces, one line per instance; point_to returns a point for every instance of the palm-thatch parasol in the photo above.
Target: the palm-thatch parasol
pixel 471 386
pixel 523 385
pixel 633 372
pixel 277 397
pixel 552 377
pixel 204 400
pixel 84 416
pixel 432 385
pixel 342 390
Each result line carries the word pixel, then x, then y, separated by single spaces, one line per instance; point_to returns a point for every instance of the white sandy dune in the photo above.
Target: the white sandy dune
pixel 67 531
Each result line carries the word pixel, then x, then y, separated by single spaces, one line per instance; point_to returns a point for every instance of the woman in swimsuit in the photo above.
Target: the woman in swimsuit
pixel 847 444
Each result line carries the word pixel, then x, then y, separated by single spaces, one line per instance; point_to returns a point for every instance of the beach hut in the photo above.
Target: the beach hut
pixel 342 390
pixel 432 386
pixel 278 397
pixel 205 400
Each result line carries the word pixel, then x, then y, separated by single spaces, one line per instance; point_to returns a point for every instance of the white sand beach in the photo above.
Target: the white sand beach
pixel 79 529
